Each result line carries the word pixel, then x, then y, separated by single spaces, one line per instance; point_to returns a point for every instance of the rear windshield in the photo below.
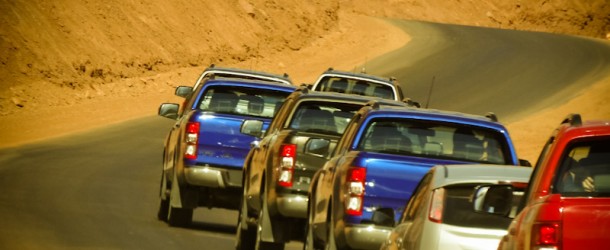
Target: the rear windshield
pixel 357 87
pixel 405 136
pixel 458 209
pixel 254 102
pixel 585 169
pixel 323 116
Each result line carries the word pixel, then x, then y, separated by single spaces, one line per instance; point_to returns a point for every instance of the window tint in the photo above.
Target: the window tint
pixel 242 101
pixel 323 117
pixel 429 139
pixel 458 209
pixel 585 169
pixel 357 87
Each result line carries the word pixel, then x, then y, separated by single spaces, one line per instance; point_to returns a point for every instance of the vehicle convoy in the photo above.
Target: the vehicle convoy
pixel 439 214
pixel 567 202
pixel 278 169
pixel 333 80
pixel 205 149
pixel 380 159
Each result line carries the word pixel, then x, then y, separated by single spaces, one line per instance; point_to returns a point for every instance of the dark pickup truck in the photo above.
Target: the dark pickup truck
pixel 279 168
pixel 205 149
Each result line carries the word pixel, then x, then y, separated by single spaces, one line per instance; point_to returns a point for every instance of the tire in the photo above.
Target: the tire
pixel 245 239
pixel 259 244
pixel 179 217
pixel 162 214
pixel 330 230
pixel 309 243
pixel 164 203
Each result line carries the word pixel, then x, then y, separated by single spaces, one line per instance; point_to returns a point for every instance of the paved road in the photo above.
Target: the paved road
pixel 99 189
pixel 478 70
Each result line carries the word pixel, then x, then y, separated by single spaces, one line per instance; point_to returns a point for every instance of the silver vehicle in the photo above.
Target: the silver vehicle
pixel 440 213
pixel 333 80
pixel 242 74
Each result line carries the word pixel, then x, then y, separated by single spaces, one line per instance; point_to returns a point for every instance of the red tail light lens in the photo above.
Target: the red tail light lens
pixel 287 160
pixel 356 176
pixel 435 214
pixel 191 138
pixel 546 235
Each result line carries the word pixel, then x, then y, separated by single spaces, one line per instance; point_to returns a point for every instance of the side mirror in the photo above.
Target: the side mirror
pixel 383 216
pixel 411 103
pixel 317 147
pixel 169 110
pixel 307 85
pixel 183 91
pixel 252 127
pixel 493 199
pixel 525 163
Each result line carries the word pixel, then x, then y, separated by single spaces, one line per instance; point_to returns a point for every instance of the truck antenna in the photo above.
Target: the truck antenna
pixel 430 91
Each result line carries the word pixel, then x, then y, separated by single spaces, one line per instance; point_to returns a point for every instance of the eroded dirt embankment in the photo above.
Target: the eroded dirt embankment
pixel 69 65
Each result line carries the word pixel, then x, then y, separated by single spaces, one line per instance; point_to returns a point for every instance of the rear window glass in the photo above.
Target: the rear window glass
pixel 585 169
pixel 246 101
pixel 323 117
pixel 406 136
pixel 357 87
pixel 458 209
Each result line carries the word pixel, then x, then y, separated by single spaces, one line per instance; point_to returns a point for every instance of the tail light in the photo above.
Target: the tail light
pixel 355 190
pixel 547 226
pixel 287 160
pixel 546 235
pixel 435 214
pixel 191 139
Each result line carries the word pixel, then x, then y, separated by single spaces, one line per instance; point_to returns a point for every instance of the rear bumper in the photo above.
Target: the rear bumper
pixel 214 177
pixel 366 236
pixel 292 205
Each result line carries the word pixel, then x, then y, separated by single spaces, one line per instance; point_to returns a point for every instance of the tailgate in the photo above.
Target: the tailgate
pixel 307 162
pixel 586 222
pixel 391 179
pixel 220 141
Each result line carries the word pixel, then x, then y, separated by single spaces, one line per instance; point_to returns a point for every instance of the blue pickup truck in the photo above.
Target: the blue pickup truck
pixel 205 149
pixel 380 159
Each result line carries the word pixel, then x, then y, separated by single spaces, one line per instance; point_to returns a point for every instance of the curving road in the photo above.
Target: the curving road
pixel 99 189
pixel 479 70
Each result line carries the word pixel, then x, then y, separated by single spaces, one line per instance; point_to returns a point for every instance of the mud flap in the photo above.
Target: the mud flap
pixel 182 197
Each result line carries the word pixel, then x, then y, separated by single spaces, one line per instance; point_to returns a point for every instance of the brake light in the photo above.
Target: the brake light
pixel 356 177
pixel 287 160
pixel 435 214
pixel 546 235
pixel 191 139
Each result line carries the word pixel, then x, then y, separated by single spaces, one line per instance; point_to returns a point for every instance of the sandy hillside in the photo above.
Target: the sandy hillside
pixel 68 66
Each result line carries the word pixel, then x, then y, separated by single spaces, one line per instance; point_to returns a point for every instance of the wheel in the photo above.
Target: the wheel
pixel 309 242
pixel 245 238
pixel 259 244
pixel 330 230
pixel 163 209
pixel 179 217
pixel 164 203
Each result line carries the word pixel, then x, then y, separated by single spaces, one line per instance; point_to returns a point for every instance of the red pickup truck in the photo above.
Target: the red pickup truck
pixel 567 202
